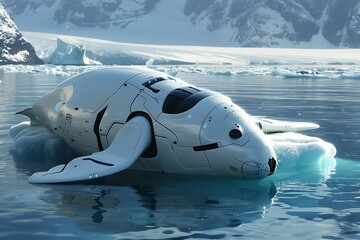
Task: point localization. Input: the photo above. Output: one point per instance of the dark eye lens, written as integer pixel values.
(235, 134)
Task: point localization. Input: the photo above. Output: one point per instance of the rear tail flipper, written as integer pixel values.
(30, 113)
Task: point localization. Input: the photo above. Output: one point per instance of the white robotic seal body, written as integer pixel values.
(132, 117)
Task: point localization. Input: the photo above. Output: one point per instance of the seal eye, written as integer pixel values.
(235, 134)
(58, 106)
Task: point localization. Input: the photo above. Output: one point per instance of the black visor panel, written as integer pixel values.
(183, 99)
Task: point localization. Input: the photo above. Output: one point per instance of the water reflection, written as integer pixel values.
(183, 202)
(139, 201)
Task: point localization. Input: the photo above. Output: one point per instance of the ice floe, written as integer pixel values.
(350, 75)
(298, 152)
(299, 73)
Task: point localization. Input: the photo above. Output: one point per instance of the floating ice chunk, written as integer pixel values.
(38, 143)
(16, 129)
(173, 71)
(350, 75)
(223, 73)
(70, 54)
(298, 73)
(10, 68)
(149, 62)
(236, 72)
(298, 152)
(56, 70)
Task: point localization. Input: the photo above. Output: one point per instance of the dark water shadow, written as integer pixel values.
(139, 201)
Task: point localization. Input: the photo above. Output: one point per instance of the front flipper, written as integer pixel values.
(276, 126)
(130, 142)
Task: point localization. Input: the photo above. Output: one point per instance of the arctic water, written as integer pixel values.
(311, 196)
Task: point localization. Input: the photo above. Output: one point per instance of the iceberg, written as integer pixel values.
(70, 54)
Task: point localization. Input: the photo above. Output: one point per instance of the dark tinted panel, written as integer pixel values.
(151, 82)
(183, 99)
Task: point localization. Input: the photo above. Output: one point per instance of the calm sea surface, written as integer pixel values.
(150, 206)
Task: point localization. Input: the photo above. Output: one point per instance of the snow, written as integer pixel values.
(13, 48)
(20, 56)
(268, 21)
(7, 27)
(8, 31)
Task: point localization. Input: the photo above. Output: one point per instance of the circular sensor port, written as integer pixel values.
(235, 134)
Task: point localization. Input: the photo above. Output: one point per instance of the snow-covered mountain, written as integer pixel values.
(13, 48)
(250, 23)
